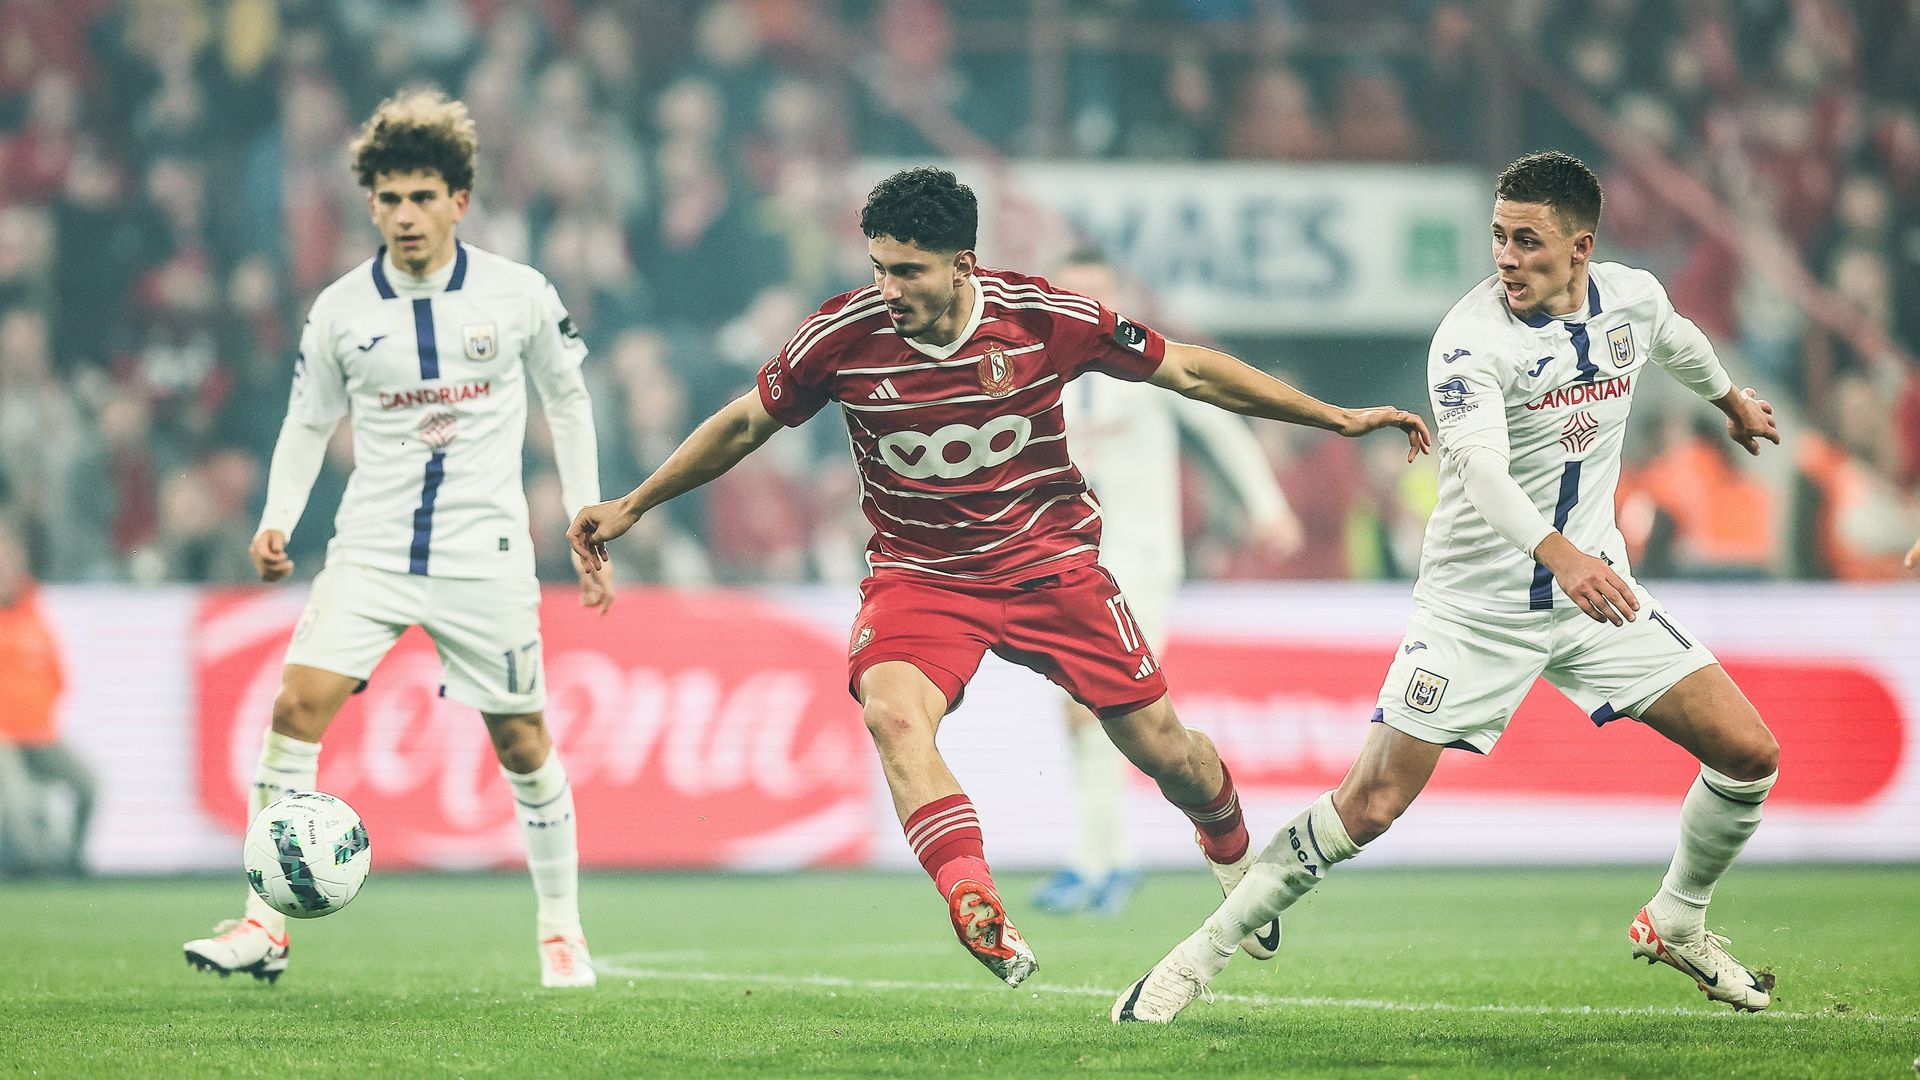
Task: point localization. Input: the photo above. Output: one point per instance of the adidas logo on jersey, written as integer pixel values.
(884, 392)
(1147, 667)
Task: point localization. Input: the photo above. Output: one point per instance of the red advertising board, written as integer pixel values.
(698, 729)
(1288, 714)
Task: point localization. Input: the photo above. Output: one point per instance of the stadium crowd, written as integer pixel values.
(173, 192)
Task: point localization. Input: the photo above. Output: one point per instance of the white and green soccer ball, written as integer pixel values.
(307, 854)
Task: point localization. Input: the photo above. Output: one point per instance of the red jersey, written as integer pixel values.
(962, 448)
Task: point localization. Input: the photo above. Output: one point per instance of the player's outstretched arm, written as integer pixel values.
(1220, 380)
(1913, 556)
(718, 444)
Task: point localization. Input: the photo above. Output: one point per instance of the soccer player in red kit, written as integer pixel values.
(986, 537)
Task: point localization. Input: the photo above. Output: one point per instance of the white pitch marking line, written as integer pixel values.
(839, 982)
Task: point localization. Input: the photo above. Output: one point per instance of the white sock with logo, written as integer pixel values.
(543, 801)
(1716, 819)
(1300, 855)
(286, 764)
(1099, 773)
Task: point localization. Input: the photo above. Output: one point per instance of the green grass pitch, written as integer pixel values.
(1384, 973)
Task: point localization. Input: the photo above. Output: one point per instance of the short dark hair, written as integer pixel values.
(926, 207)
(1559, 180)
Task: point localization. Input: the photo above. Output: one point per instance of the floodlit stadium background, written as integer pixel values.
(1306, 183)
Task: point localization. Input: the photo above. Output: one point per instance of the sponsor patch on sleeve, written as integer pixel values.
(1130, 334)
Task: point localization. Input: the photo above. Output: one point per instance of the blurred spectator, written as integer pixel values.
(33, 763)
(1276, 119)
(1703, 514)
(1850, 521)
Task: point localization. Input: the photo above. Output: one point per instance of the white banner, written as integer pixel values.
(1248, 248)
(728, 710)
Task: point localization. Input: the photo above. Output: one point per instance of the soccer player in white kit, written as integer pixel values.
(1126, 440)
(1525, 573)
(428, 347)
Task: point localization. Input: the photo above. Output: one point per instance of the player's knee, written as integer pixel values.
(891, 724)
(520, 742)
(1368, 814)
(300, 714)
(1758, 758)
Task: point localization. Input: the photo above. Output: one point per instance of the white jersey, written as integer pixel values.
(1553, 394)
(433, 373)
(1125, 438)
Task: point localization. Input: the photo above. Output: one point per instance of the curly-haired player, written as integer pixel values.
(428, 347)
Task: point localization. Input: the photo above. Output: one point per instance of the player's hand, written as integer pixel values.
(269, 554)
(1358, 422)
(596, 525)
(596, 586)
(1913, 556)
(1589, 582)
(1752, 420)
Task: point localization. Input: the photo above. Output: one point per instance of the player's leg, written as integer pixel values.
(543, 804)
(1655, 670)
(902, 707)
(1451, 685)
(487, 632)
(353, 616)
(913, 648)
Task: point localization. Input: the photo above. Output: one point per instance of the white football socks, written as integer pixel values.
(544, 804)
(1099, 774)
(1300, 855)
(1716, 819)
(286, 764)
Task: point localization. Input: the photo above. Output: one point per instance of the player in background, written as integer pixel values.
(1525, 573)
(1126, 441)
(949, 376)
(428, 347)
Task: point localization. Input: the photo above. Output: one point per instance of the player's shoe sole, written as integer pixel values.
(1264, 942)
(980, 921)
(240, 946)
(1707, 962)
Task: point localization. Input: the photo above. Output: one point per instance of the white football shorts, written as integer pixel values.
(1456, 679)
(487, 631)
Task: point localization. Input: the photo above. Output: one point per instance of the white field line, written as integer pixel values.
(613, 967)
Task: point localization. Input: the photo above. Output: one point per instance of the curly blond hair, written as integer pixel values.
(417, 131)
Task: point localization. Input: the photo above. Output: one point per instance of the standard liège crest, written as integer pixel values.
(1620, 346)
(996, 372)
(861, 638)
(483, 341)
(1424, 690)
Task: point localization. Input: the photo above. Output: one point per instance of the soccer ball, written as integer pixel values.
(307, 854)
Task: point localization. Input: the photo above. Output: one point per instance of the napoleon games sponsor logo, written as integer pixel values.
(436, 395)
(1583, 394)
(1453, 393)
(957, 450)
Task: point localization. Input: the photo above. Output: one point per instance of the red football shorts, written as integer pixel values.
(1073, 627)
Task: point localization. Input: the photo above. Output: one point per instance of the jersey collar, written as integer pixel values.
(454, 281)
(1543, 319)
(943, 352)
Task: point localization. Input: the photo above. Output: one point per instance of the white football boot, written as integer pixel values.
(564, 962)
(241, 945)
(1706, 961)
(1264, 942)
(1174, 982)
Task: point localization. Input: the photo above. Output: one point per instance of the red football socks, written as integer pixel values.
(1223, 831)
(945, 837)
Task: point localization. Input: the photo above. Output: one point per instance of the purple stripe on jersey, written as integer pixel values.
(423, 516)
(423, 330)
(380, 281)
(459, 277)
(1540, 598)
